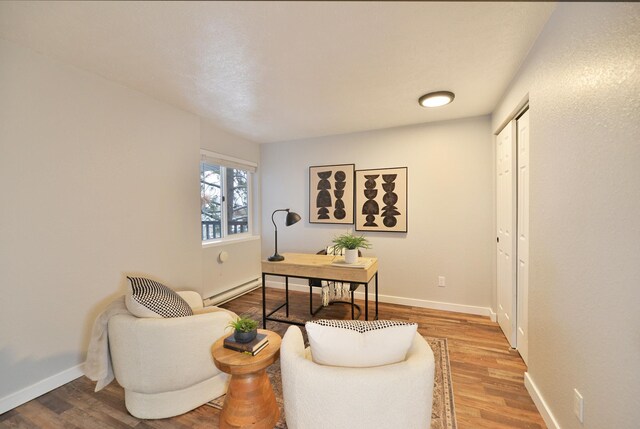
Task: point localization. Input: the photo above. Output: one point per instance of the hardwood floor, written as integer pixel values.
(487, 377)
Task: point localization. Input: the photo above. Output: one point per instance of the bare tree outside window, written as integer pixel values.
(224, 200)
(211, 201)
(237, 201)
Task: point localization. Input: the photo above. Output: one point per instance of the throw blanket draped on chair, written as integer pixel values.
(332, 291)
(98, 366)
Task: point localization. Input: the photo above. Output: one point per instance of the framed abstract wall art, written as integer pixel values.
(331, 193)
(381, 200)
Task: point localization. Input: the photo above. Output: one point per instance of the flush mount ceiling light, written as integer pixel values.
(436, 99)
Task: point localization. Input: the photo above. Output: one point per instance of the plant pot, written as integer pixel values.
(245, 337)
(351, 256)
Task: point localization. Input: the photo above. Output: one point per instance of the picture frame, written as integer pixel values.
(331, 193)
(381, 199)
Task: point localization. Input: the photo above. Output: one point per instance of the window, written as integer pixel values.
(225, 196)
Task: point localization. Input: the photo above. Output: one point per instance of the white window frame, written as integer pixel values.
(225, 161)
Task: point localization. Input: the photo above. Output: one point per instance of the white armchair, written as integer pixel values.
(390, 396)
(165, 365)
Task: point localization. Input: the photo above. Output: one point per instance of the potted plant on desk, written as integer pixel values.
(245, 329)
(349, 245)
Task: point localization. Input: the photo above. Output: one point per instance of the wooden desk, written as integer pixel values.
(250, 400)
(310, 266)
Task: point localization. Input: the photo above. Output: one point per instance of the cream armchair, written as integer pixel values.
(165, 365)
(390, 396)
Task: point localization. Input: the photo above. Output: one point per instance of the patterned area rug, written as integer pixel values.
(443, 412)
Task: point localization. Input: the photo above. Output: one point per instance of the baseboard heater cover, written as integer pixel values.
(232, 293)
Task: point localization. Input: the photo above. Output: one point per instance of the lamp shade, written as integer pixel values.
(292, 217)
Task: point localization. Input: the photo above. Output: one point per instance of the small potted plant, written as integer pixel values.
(245, 329)
(349, 245)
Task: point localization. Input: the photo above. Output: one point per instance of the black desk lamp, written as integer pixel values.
(292, 218)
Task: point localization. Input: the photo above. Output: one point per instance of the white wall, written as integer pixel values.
(583, 81)
(450, 212)
(243, 263)
(97, 181)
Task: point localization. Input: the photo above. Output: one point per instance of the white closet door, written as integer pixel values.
(523, 237)
(506, 227)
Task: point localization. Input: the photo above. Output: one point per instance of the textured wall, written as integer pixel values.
(243, 264)
(450, 205)
(583, 80)
(96, 181)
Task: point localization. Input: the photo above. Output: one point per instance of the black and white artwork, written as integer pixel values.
(381, 199)
(331, 193)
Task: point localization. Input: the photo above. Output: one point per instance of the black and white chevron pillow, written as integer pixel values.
(360, 325)
(357, 343)
(148, 298)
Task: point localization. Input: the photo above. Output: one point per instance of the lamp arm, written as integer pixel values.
(275, 256)
(291, 219)
(273, 220)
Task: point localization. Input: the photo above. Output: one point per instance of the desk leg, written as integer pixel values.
(353, 305)
(286, 291)
(264, 302)
(376, 296)
(366, 301)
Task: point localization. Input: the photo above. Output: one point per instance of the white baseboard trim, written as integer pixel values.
(390, 299)
(13, 400)
(542, 406)
(434, 305)
(493, 315)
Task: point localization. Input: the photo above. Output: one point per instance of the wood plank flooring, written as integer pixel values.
(488, 381)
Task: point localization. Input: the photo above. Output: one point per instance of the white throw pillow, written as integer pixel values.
(356, 343)
(148, 298)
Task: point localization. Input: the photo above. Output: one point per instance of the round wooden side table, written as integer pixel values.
(250, 400)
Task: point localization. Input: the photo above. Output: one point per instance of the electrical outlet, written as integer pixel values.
(578, 405)
(441, 281)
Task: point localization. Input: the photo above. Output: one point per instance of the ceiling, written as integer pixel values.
(275, 71)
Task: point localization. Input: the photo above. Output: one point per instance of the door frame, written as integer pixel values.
(522, 232)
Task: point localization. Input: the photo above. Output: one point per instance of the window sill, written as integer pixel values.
(226, 241)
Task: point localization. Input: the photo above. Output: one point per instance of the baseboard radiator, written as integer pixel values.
(235, 292)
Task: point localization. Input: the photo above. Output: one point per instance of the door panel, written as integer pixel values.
(506, 226)
(523, 237)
